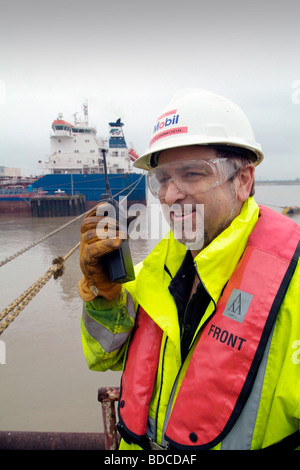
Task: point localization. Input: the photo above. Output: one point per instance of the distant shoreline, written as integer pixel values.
(277, 182)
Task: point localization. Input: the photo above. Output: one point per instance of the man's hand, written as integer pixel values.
(95, 280)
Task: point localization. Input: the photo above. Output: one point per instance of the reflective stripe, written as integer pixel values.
(151, 428)
(241, 435)
(108, 341)
(130, 306)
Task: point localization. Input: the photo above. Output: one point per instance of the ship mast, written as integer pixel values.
(85, 112)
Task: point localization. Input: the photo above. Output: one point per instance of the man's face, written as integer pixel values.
(196, 227)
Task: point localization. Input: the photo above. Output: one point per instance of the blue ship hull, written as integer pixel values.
(131, 185)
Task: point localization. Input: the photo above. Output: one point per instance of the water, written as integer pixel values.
(45, 384)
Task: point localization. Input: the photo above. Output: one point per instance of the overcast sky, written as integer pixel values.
(128, 58)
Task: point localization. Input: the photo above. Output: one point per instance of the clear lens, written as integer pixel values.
(190, 176)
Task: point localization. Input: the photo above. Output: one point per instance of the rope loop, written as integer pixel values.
(60, 267)
(8, 315)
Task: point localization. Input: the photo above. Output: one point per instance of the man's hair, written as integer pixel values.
(240, 161)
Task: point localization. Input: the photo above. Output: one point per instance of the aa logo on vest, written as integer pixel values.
(237, 305)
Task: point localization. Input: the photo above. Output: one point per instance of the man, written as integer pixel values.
(208, 334)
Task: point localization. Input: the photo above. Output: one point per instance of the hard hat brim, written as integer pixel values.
(145, 163)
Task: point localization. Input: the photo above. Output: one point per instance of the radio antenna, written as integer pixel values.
(108, 190)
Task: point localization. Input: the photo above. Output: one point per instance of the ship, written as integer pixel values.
(76, 166)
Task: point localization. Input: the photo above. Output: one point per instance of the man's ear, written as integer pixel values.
(244, 182)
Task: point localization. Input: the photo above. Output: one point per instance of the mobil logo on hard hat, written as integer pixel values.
(199, 117)
(166, 125)
(166, 119)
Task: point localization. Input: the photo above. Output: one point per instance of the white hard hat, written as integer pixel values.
(198, 117)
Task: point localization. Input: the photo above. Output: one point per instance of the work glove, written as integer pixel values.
(95, 280)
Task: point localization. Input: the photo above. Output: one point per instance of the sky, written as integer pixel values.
(128, 58)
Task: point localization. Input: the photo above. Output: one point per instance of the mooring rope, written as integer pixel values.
(40, 240)
(9, 314)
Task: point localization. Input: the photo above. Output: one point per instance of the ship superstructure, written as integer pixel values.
(76, 148)
(75, 168)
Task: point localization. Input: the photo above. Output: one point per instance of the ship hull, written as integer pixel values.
(92, 186)
(14, 205)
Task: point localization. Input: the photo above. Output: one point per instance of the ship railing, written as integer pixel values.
(21, 190)
(34, 192)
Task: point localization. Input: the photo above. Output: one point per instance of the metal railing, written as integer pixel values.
(108, 440)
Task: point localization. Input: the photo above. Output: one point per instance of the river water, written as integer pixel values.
(45, 384)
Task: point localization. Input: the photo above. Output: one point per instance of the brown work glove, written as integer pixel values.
(95, 280)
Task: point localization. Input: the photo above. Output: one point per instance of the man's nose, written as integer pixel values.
(173, 193)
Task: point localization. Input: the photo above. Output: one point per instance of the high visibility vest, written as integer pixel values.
(227, 350)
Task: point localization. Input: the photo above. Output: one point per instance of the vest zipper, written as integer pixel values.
(168, 411)
(160, 390)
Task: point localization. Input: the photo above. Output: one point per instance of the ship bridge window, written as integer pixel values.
(60, 127)
(81, 130)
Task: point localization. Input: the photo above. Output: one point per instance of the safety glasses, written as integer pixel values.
(190, 176)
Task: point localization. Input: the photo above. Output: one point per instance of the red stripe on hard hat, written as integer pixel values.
(177, 130)
(174, 111)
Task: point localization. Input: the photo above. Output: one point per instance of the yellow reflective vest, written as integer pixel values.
(272, 412)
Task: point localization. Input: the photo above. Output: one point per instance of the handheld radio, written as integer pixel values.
(118, 262)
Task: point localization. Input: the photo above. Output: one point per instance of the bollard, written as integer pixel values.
(107, 397)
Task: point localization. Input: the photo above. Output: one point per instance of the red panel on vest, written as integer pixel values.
(142, 360)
